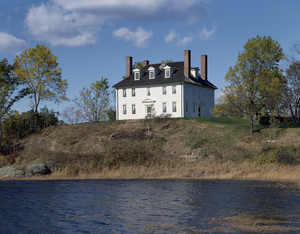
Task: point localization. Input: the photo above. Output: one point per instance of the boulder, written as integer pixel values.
(37, 169)
(11, 172)
(51, 166)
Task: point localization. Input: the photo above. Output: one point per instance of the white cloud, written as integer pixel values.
(154, 10)
(207, 34)
(139, 38)
(185, 40)
(62, 28)
(77, 22)
(11, 44)
(179, 41)
(170, 37)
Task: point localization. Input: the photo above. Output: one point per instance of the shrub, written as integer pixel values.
(288, 155)
(269, 158)
(19, 125)
(282, 155)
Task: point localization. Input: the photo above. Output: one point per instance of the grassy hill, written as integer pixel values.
(164, 148)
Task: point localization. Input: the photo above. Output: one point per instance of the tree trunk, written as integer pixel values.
(1, 136)
(292, 113)
(251, 125)
(251, 116)
(36, 118)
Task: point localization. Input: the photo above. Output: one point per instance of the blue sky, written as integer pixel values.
(92, 38)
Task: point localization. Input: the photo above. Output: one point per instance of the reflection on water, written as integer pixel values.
(148, 206)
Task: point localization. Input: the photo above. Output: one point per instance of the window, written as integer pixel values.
(133, 92)
(148, 91)
(167, 73)
(151, 74)
(194, 91)
(164, 107)
(174, 89)
(124, 92)
(174, 109)
(133, 109)
(136, 75)
(124, 110)
(164, 90)
(186, 106)
(194, 107)
(148, 110)
(199, 111)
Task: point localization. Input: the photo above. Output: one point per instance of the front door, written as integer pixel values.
(148, 111)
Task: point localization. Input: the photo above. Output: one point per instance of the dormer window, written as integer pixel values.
(151, 72)
(194, 72)
(167, 71)
(136, 73)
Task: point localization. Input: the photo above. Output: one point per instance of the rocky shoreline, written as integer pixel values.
(39, 169)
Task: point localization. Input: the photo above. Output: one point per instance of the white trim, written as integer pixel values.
(148, 100)
(167, 70)
(136, 74)
(151, 71)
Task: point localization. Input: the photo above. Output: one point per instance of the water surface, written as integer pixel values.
(141, 206)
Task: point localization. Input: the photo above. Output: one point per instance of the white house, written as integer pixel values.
(172, 89)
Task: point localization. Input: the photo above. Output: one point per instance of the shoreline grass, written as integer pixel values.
(203, 171)
(152, 148)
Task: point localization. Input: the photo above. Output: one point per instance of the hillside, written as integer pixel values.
(163, 148)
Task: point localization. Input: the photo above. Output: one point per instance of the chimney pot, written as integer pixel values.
(204, 67)
(187, 62)
(128, 66)
(145, 63)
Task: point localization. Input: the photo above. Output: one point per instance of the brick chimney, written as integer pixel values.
(187, 62)
(204, 67)
(145, 63)
(128, 66)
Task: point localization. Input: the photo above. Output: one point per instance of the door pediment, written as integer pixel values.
(148, 100)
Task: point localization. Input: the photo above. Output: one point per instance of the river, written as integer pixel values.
(148, 206)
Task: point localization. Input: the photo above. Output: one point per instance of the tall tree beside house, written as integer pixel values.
(137, 65)
(38, 70)
(256, 82)
(93, 103)
(293, 90)
(9, 92)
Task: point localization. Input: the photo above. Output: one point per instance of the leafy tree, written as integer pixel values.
(38, 70)
(111, 113)
(48, 117)
(138, 65)
(167, 61)
(256, 83)
(18, 125)
(93, 103)
(293, 90)
(223, 109)
(8, 91)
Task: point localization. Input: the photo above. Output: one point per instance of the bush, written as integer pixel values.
(288, 155)
(17, 126)
(283, 155)
(269, 158)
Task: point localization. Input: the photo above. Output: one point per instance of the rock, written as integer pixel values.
(19, 173)
(11, 172)
(37, 169)
(51, 166)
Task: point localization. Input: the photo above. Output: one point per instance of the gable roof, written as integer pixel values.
(178, 76)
